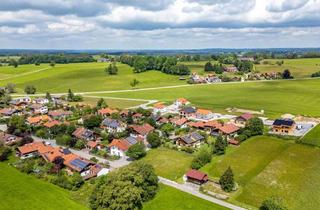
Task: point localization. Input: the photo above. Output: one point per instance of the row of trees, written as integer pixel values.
(56, 58)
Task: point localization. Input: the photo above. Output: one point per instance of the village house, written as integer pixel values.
(84, 134)
(59, 114)
(159, 108)
(243, 119)
(9, 139)
(113, 125)
(204, 114)
(181, 102)
(196, 177)
(211, 78)
(39, 109)
(196, 78)
(38, 119)
(40, 101)
(283, 126)
(137, 117)
(193, 139)
(52, 123)
(187, 112)
(179, 122)
(230, 69)
(20, 103)
(228, 130)
(107, 112)
(8, 112)
(119, 147)
(141, 131)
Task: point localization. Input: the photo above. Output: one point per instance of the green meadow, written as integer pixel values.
(20, 191)
(312, 137)
(169, 198)
(266, 166)
(84, 77)
(274, 97)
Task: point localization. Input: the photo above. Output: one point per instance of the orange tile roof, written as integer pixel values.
(143, 129)
(203, 111)
(213, 124)
(92, 144)
(50, 124)
(179, 121)
(33, 147)
(182, 100)
(120, 143)
(196, 124)
(38, 119)
(107, 111)
(159, 105)
(229, 128)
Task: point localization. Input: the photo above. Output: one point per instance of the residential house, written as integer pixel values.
(52, 123)
(196, 177)
(119, 147)
(41, 101)
(231, 69)
(59, 114)
(83, 133)
(211, 78)
(39, 109)
(229, 130)
(32, 149)
(9, 139)
(8, 112)
(187, 112)
(204, 114)
(242, 119)
(159, 108)
(107, 112)
(141, 130)
(137, 117)
(283, 126)
(113, 125)
(94, 145)
(38, 119)
(193, 139)
(179, 122)
(20, 103)
(181, 102)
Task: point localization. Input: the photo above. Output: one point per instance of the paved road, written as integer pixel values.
(196, 192)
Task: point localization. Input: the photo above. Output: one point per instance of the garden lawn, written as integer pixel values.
(299, 68)
(168, 163)
(84, 77)
(20, 191)
(274, 97)
(169, 198)
(312, 137)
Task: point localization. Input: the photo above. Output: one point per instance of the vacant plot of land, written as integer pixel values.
(312, 137)
(169, 163)
(83, 77)
(274, 97)
(248, 160)
(19, 191)
(298, 67)
(169, 198)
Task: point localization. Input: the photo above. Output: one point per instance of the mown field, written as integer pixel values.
(7, 72)
(169, 163)
(265, 166)
(274, 97)
(19, 191)
(169, 198)
(312, 137)
(83, 77)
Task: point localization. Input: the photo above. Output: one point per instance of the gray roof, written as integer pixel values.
(131, 140)
(188, 110)
(192, 137)
(111, 123)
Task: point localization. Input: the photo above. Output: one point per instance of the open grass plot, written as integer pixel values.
(19, 191)
(169, 163)
(169, 198)
(84, 77)
(8, 72)
(312, 137)
(274, 97)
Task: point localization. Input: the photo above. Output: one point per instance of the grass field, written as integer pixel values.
(19, 191)
(169, 198)
(274, 97)
(265, 166)
(299, 68)
(169, 163)
(312, 137)
(83, 77)
(7, 72)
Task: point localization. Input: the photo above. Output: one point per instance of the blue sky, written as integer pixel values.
(159, 24)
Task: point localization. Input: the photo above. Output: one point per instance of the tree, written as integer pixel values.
(48, 96)
(154, 139)
(317, 74)
(167, 128)
(119, 190)
(70, 95)
(202, 157)
(140, 64)
(220, 145)
(4, 153)
(208, 66)
(65, 140)
(112, 69)
(80, 144)
(52, 63)
(134, 83)
(129, 117)
(13, 63)
(101, 103)
(286, 74)
(30, 89)
(92, 121)
(273, 203)
(255, 126)
(226, 180)
(218, 68)
(136, 151)
(11, 88)
(17, 125)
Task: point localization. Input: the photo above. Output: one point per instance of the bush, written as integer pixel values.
(153, 139)
(137, 151)
(241, 137)
(30, 89)
(317, 74)
(80, 144)
(4, 153)
(203, 156)
(273, 203)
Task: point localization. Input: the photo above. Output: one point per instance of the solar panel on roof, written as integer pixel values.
(66, 151)
(131, 140)
(79, 163)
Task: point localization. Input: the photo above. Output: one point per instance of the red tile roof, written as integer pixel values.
(120, 143)
(92, 144)
(183, 100)
(198, 175)
(229, 128)
(50, 124)
(179, 121)
(107, 111)
(142, 129)
(198, 124)
(246, 116)
(38, 119)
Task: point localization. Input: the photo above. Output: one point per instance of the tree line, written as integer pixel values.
(56, 58)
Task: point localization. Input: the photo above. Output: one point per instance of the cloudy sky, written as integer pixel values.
(159, 24)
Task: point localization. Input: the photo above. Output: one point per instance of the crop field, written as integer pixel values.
(312, 137)
(169, 198)
(19, 191)
(274, 97)
(84, 77)
(169, 163)
(265, 166)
